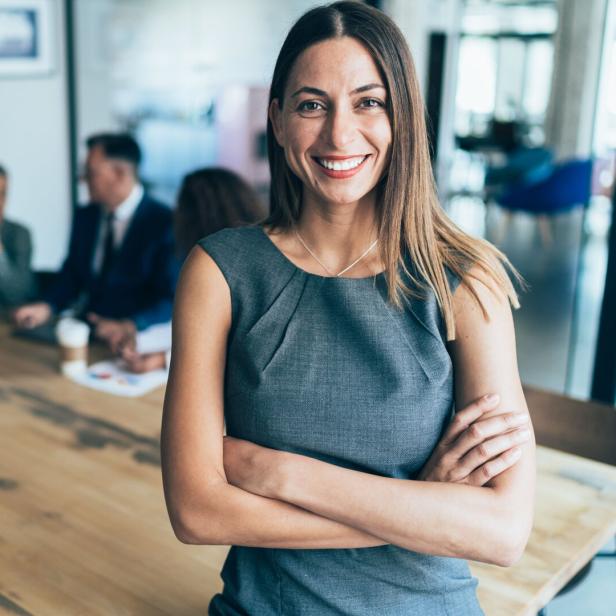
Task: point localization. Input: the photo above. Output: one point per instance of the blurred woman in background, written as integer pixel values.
(209, 200)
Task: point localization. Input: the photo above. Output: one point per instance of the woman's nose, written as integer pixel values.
(340, 128)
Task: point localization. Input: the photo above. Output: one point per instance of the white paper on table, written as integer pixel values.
(111, 377)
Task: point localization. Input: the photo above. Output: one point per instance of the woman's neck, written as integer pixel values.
(328, 237)
(338, 233)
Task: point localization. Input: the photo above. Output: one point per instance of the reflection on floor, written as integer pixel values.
(589, 297)
(594, 596)
(555, 351)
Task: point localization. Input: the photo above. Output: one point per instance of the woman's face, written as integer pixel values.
(333, 124)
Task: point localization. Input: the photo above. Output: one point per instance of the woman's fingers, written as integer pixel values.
(483, 429)
(488, 450)
(464, 418)
(494, 467)
(471, 444)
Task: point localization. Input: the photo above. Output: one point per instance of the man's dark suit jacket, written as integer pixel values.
(141, 281)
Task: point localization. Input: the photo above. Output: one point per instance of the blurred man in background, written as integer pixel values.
(121, 270)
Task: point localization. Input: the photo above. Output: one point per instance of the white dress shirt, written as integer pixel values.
(122, 217)
(155, 339)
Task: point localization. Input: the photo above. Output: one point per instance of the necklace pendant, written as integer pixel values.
(346, 269)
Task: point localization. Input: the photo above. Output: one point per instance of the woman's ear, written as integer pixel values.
(275, 116)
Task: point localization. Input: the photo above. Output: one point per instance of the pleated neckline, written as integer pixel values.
(281, 256)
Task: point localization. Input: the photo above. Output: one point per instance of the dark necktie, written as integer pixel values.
(108, 247)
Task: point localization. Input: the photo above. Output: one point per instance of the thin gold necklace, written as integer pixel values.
(346, 269)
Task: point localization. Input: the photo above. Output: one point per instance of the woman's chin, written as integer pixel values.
(341, 198)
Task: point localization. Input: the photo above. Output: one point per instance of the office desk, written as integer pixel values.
(84, 529)
(83, 524)
(573, 521)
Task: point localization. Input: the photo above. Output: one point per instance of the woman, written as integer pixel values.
(321, 341)
(209, 200)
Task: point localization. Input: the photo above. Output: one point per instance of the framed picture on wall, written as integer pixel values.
(26, 37)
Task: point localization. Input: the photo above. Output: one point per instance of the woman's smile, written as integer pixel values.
(341, 167)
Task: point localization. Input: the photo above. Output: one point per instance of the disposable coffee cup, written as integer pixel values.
(73, 336)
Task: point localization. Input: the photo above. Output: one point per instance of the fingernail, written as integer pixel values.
(522, 435)
(490, 398)
(519, 418)
(514, 454)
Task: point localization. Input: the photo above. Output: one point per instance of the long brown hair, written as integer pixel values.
(410, 218)
(212, 199)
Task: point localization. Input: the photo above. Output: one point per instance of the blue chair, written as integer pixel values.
(566, 188)
(524, 165)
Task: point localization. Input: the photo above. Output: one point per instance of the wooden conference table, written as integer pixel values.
(84, 530)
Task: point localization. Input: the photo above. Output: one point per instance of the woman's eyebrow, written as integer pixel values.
(369, 86)
(318, 92)
(309, 90)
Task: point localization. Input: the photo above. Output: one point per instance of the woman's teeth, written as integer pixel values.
(341, 165)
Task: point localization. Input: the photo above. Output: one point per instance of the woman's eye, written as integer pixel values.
(371, 103)
(308, 106)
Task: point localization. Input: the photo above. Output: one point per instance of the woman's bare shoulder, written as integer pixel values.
(479, 295)
(202, 292)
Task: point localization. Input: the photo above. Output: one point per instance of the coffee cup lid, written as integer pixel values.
(72, 332)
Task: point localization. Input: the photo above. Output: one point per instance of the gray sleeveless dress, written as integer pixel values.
(325, 367)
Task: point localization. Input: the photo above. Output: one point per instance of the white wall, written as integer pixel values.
(176, 54)
(34, 148)
(92, 75)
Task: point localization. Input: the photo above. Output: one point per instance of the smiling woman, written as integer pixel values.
(333, 342)
(338, 130)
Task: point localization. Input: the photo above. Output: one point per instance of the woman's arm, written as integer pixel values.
(490, 523)
(202, 506)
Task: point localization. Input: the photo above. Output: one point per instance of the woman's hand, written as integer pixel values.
(251, 467)
(474, 449)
